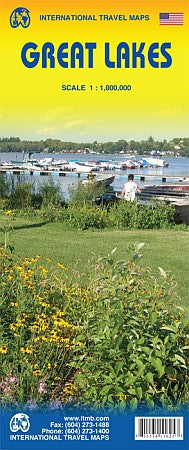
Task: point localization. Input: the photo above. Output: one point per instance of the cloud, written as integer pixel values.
(82, 134)
(167, 113)
(56, 114)
(48, 131)
(75, 124)
(78, 123)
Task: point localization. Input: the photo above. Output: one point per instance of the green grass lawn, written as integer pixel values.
(168, 249)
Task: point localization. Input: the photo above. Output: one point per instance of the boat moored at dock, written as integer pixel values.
(99, 179)
(154, 162)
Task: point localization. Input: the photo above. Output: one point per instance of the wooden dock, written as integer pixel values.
(64, 173)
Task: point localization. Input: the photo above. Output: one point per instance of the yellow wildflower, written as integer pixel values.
(35, 326)
(30, 272)
(62, 267)
(44, 304)
(13, 304)
(8, 212)
(28, 350)
(63, 323)
(69, 388)
(27, 262)
(58, 321)
(20, 323)
(66, 340)
(42, 316)
(3, 349)
(54, 339)
(53, 332)
(43, 270)
(171, 378)
(39, 297)
(25, 360)
(18, 267)
(37, 372)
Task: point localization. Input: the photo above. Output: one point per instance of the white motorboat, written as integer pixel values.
(156, 162)
(105, 165)
(31, 167)
(80, 167)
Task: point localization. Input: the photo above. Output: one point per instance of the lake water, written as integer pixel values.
(178, 167)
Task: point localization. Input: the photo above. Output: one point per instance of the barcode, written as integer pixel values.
(165, 428)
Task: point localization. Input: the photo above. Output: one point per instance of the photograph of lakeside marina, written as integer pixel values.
(155, 167)
(94, 289)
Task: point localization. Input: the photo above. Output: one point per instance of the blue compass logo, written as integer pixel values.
(20, 16)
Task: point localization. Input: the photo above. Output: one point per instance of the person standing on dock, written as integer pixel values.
(129, 189)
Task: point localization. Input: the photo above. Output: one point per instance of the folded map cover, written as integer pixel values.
(92, 71)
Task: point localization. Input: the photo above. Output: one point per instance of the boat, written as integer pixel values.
(182, 208)
(156, 162)
(184, 180)
(105, 165)
(80, 167)
(144, 163)
(125, 165)
(6, 165)
(94, 164)
(31, 167)
(177, 189)
(181, 205)
(99, 179)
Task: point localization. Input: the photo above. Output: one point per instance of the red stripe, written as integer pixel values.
(171, 23)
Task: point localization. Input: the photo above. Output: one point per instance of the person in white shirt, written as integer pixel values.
(129, 189)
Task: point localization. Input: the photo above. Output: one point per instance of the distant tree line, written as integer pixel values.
(177, 146)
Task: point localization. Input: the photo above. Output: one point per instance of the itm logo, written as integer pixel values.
(18, 422)
(20, 16)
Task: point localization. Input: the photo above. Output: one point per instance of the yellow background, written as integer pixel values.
(33, 106)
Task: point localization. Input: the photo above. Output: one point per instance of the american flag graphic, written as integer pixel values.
(171, 18)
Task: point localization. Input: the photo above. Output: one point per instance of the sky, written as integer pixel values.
(33, 104)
